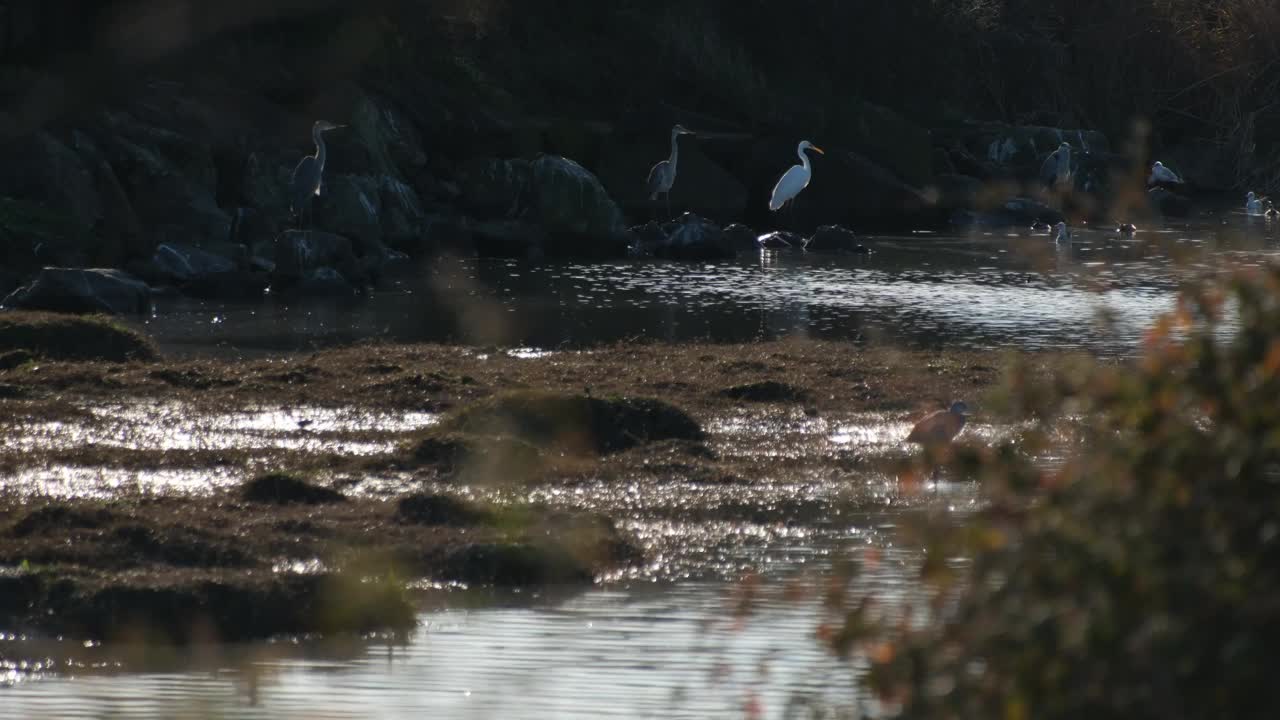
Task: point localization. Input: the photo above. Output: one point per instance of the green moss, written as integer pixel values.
(574, 424)
(72, 337)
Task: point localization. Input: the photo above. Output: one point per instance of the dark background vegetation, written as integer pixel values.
(1199, 72)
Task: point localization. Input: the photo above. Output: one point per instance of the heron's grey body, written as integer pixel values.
(663, 175)
(1056, 169)
(1062, 234)
(308, 176)
(1253, 204)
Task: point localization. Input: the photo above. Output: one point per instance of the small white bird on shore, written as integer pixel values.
(1062, 234)
(1253, 204)
(1162, 174)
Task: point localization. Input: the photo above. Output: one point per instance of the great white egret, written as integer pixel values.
(1162, 174)
(1056, 169)
(941, 427)
(795, 179)
(663, 175)
(1253, 204)
(308, 176)
(1062, 234)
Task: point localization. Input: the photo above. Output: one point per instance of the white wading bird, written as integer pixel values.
(795, 179)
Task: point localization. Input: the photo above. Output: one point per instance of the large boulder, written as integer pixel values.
(834, 239)
(1015, 212)
(694, 238)
(170, 177)
(351, 206)
(299, 253)
(118, 227)
(83, 291)
(553, 197)
(702, 186)
(33, 236)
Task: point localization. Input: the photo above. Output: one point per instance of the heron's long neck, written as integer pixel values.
(804, 159)
(675, 149)
(320, 149)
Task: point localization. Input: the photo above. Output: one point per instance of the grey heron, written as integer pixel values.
(1062, 234)
(308, 176)
(1162, 174)
(795, 179)
(1253, 204)
(1056, 170)
(663, 175)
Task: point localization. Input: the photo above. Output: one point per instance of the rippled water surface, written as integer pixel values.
(986, 289)
(669, 639)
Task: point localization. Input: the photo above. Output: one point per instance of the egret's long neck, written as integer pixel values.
(675, 149)
(321, 152)
(804, 159)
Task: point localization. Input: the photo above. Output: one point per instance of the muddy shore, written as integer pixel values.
(302, 534)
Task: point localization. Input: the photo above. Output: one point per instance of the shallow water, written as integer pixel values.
(979, 290)
(662, 640)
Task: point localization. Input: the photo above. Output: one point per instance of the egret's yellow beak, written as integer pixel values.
(819, 150)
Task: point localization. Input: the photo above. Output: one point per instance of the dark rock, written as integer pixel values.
(780, 240)
(14, 359)
(574, 423)
(768, 391)
(283, 489)
(42, 168)
(740, 237)
(646, 238)
(694, 238)
(1168, 203)
(477, 457)
(1017, 151)
(835, 239)
(251, 227)
(350, 206)
(70, 337)
(33, 236)
(298, 253)
(119, 227)
(424, 509)
(57, 518)
(514, 564)
(178, 264)
(82, 291)
(551, 195)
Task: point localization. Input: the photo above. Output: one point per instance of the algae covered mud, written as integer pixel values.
(380, 487)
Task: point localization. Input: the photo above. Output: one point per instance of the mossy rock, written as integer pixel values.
(428, 509)
(198, 607)
(285, 489)
(574, 424)
(515, 564)
(72, 337)
(59, 518)
(478, 458)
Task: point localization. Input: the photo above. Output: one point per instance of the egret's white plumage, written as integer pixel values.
(1056, 169)
(1162, 174)
(1062, 234)
(795, 179)
(1253, 204)
(663, 175)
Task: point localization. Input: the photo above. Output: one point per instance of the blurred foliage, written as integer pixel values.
(1138, 577)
